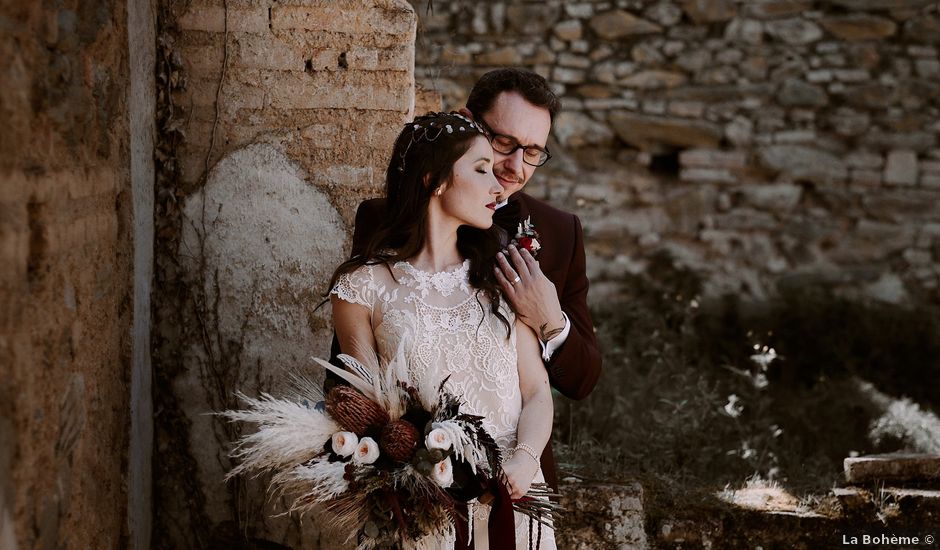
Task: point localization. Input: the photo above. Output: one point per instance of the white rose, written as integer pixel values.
(443, 473)
(345, 443)
(367, 451)
(438, 439)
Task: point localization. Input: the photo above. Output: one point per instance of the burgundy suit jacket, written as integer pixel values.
(575, 366)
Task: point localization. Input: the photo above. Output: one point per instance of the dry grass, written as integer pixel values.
(697, 397)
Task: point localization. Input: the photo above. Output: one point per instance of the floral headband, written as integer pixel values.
(432, 126)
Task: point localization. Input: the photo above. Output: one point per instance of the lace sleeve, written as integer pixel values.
(357, 287)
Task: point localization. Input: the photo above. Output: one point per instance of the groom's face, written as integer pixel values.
(512, 115)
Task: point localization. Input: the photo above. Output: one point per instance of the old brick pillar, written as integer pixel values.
(289, 111)
(73, 290)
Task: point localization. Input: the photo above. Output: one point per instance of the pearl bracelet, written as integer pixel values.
(527, 450)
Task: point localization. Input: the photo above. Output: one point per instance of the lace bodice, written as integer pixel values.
(444, 328)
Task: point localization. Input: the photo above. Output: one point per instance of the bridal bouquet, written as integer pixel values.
(390, 460)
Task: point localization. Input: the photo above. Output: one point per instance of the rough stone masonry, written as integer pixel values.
(764, 143)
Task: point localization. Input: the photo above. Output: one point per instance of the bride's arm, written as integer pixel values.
(353, 326)
(535, 422)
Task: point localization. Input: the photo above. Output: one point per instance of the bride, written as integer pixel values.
(427, 284)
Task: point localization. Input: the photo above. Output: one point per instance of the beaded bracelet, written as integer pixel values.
(527, 450)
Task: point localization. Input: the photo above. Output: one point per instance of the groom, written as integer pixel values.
(517, 108)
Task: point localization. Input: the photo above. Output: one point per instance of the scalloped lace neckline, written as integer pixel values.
(444, 282)
(455, 269)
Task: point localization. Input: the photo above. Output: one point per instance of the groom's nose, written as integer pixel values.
(514, 163)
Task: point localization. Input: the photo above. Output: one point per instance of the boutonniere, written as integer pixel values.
(527, 237)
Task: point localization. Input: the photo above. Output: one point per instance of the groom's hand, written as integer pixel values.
(531, 293)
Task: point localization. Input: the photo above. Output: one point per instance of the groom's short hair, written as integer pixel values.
(529, 85)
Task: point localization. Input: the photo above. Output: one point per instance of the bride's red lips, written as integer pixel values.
(491, 206)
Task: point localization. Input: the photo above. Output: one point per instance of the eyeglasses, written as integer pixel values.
(533, 155)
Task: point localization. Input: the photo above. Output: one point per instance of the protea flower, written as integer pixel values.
(354, 411)
(399, 439)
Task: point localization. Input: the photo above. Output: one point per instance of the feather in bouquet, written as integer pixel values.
(390, 460)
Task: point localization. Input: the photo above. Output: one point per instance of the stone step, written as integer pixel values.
(771, 499)
(924, 501)
(892, 467)
(602, 515)
(854, 500)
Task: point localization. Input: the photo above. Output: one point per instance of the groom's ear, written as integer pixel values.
(465, 112)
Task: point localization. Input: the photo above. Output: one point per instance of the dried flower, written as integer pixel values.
(367, 451)
(527, 237)
(443, 473)
(438, 439)
(399, 439)
(344, 443)
(354, 411)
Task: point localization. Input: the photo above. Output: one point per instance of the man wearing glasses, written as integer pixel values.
(516, 108)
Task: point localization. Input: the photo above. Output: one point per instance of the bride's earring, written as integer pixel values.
(439, 191)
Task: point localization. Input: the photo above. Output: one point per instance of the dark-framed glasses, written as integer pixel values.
(533, 155)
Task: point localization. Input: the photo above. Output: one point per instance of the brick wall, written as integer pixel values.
(304, 100)
(65, 275)
(764, 143)
(331, 75)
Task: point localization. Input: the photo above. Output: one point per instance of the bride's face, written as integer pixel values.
(470, 196)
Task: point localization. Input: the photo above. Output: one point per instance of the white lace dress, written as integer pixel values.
(445, 329)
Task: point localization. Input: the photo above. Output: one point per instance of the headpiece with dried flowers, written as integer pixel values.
(432, 126)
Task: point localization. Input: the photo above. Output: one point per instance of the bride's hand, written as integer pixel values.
(519, 471)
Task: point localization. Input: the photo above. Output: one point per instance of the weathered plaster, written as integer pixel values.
(270, 241)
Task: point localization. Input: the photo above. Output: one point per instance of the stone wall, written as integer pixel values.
(66, 301)
(277, 121)
(766, 143)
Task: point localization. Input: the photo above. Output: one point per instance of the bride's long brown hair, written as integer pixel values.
(418, 167)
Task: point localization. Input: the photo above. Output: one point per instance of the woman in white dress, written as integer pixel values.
(427, 285)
